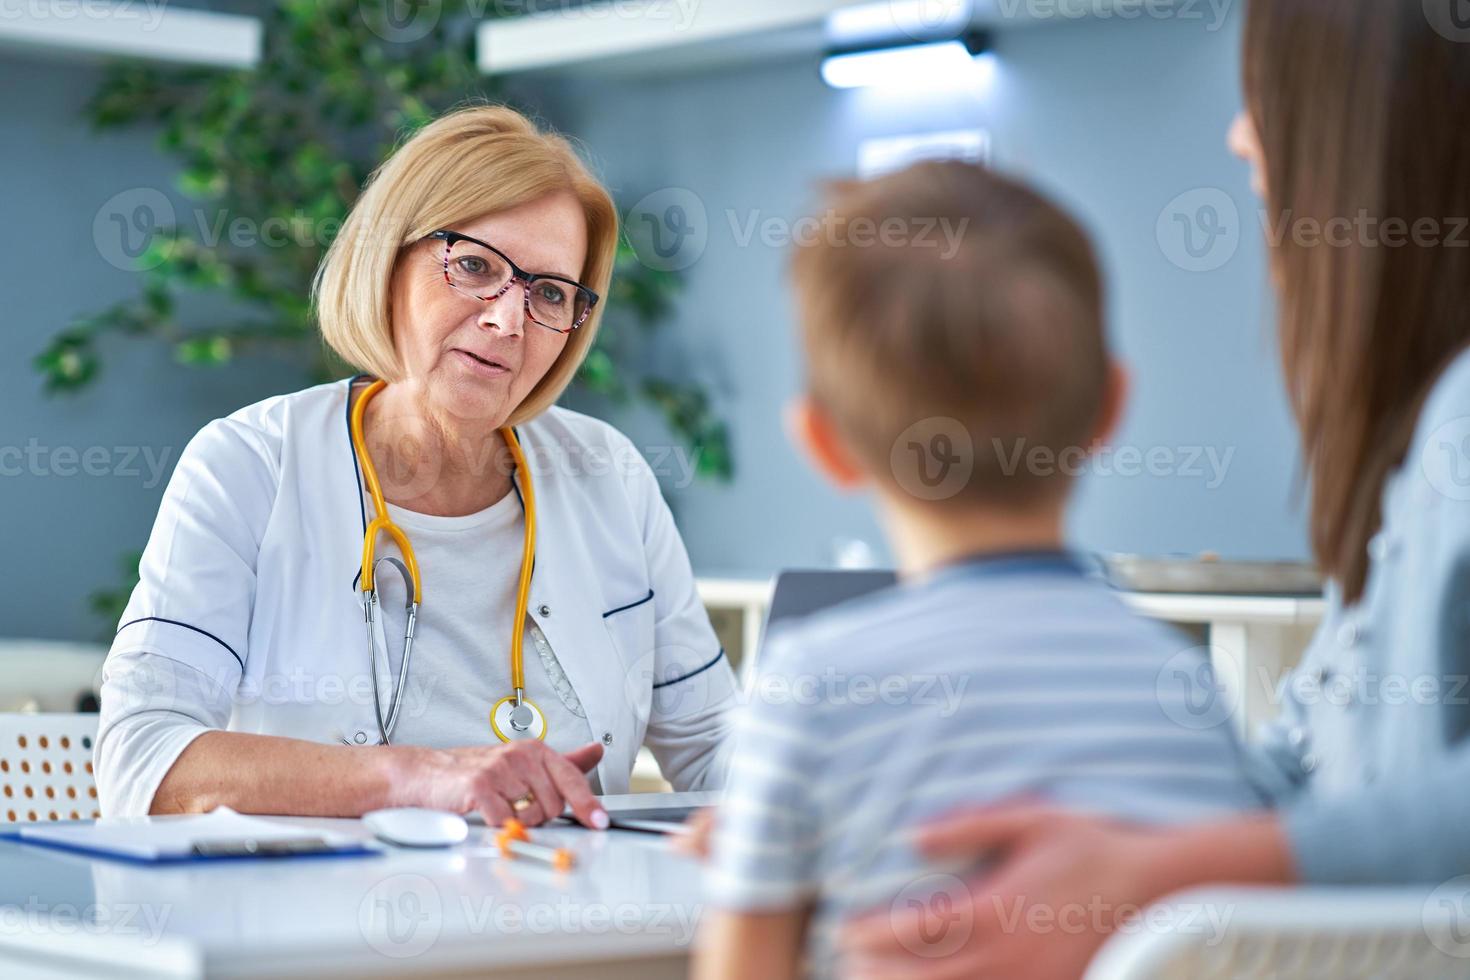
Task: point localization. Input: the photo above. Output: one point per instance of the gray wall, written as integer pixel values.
(1116, 118)
(66, 525)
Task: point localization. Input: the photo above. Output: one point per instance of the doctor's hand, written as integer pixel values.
(489, 779)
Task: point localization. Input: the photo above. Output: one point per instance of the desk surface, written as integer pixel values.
(630, 907)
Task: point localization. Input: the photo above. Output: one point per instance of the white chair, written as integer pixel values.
(1296, 934)
(46, 768)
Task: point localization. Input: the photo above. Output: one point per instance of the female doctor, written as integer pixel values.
(424, 585)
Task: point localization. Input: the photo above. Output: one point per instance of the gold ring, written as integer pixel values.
(523, 803)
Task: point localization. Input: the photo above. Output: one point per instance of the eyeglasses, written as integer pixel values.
(484, 272)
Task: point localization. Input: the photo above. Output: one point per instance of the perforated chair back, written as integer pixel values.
(1297, 934)
(46, 768)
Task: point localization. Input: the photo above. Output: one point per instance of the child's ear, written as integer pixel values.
(1114, 401)
(817, 438)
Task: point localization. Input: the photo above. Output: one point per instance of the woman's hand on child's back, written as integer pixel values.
(1059, 885)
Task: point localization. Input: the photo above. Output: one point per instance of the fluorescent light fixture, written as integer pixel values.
(937, 64)
(884, 154)
(918, 20)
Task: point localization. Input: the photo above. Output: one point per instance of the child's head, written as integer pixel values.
(953, 327)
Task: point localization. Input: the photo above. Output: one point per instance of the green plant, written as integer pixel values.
(108, 605)
(286, 146)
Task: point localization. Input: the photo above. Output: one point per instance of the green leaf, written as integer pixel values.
(68, 363)
(203, 181)
(159, 302)
(686, 409)
(312, 164)
(110, 604)
(599, 373)
(204, 351)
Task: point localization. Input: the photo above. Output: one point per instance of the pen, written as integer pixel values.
(513, 841)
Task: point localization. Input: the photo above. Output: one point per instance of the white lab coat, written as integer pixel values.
(248, 615)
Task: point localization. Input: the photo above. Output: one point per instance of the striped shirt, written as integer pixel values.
(995, 678)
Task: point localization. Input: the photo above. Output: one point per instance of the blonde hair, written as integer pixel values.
(470, 162)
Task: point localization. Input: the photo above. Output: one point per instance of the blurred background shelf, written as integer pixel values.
(652, 35)
(152, 32)
(649, 37)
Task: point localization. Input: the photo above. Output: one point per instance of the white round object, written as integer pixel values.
(513, 722)
(412, 826)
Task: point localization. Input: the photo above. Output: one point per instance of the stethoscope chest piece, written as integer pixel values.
(517, 720)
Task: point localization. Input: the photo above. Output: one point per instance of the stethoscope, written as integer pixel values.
(514, 717)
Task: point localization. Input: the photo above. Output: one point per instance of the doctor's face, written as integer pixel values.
(473, 361)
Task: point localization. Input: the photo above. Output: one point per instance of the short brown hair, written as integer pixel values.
(978, 303)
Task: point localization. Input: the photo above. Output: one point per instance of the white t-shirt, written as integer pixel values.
(470, 566)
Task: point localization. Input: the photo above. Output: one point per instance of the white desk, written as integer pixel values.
(1252, 640)
(628, 910)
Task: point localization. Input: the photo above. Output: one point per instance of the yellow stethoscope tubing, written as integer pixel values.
(528, 562)
(382, 523)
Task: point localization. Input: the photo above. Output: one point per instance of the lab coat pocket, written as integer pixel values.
(630, 627)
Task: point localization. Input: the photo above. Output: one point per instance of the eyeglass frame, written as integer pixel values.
(517, 274)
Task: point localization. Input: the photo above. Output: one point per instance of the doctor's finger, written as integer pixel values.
(514, 785)
(577, 793)
(549, 800)
(585, 757)
(493, 808)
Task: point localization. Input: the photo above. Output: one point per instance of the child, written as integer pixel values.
(963, 386)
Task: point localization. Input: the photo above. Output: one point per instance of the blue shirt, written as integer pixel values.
(1369, 760)
(991, 680)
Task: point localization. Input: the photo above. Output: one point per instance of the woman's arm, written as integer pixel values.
(264, 774)
(161, 748)
(1409, 828)
(270, 774)
(1061, 885)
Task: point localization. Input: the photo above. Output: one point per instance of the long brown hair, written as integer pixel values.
(1363, 112)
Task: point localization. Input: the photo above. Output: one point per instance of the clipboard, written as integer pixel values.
(221, 834)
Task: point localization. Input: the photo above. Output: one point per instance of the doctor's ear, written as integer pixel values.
(818, 439)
